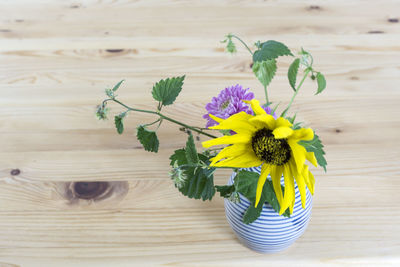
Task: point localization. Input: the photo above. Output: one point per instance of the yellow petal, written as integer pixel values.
(226, 140)
(307, 179)
(255, 106)
(298, 154)
(265, 169)
(238, 122)
(230, 151)
(276, 174)
(305, 134)
(312, 181)
(263, 121)
(246, 160)
(289, 194)
(292, 206)
(217, 119)
(301, 185)
(282, 122)
(282, 132)
(311, 158)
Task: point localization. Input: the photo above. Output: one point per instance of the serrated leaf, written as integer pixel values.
(267, 196)
(271, 50)
(265, 71)
(119, 124)
(166, 91)
(225, 190)
(246, 184)
(148, 139)
(179, 157)
(252, 213)
(191, 153)
(321, 82)
(115, 88)
(231, 47)
(199, 182)
(316, 146)
(292, 73)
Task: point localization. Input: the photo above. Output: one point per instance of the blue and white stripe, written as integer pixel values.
(270, 232)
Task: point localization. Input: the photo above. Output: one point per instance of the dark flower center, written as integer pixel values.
(270, 150)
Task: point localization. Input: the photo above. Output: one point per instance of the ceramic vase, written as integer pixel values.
(270, 232)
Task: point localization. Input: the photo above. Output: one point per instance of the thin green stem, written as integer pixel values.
(186, 126)
(204, 166)
(204, 129)
(240, 40)
(163, 117)
(296, 92)
(151, 123)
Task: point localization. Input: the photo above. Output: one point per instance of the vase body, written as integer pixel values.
(270, 232)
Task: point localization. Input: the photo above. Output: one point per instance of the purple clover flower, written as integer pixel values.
(229, 102)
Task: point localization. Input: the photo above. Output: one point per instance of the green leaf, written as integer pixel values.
(246, 184)
(265, 71)
(231, 47)
(297, 125)
(225, 190)
(303, 52)
(199, 182)
(225, 132)
(267, 196)
(148, 139)
(292, 73)
(252, 213)
(117, 85)
(119, 124)
(191, 153)
(166, 91)
(271, 50)
(291, 119)
(275, 108)
(316, 146)
(178, 158)
(321, 82)
(283, 114)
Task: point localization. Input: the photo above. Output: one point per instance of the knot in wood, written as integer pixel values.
(15, 172)
(90, 190)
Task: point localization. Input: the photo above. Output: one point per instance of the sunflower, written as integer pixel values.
(271, 143)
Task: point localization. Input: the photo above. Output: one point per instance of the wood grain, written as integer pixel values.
(58, 56)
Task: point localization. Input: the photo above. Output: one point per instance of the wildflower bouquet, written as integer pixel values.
(252, 135)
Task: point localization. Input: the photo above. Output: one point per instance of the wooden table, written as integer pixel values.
(58, 56)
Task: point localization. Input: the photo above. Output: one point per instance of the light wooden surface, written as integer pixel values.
(58, 56)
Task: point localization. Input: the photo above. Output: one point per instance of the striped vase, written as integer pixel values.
(270, 232)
